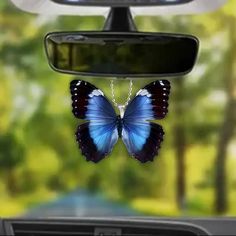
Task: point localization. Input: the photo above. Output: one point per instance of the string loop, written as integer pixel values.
(113, 95)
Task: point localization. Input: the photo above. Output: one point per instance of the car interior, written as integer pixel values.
(47, 187)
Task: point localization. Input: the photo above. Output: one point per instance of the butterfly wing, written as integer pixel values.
(89, 102)
(150, 103)
(96, 140)
(141, 137)
(96, 137)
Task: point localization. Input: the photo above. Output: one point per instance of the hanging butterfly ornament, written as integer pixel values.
(98, 135)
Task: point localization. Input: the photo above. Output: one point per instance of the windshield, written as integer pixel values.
(42, 170)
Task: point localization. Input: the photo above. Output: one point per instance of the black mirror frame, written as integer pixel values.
(107, 33)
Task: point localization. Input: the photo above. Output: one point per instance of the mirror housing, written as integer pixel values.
(121, 54)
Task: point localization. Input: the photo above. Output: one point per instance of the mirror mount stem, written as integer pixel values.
(120, 19)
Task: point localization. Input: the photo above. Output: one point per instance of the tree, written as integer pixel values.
(228, 125)
(180, 142)
(12, 153)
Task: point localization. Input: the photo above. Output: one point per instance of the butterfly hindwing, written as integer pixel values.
(141, 137)
(96, 137)
(96, 140)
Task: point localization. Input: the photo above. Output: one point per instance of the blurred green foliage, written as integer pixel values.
(39, 158)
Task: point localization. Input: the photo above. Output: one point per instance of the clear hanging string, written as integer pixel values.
(121, 107)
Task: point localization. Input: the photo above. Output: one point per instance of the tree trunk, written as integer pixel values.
(180, 145)
(181, 170)
(11, 184)
(228, 125)
(226, 133)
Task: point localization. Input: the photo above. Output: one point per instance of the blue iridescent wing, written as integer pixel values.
(150, 103)
(141, 137)
(89, 102)
(96, 140)
(96, 137)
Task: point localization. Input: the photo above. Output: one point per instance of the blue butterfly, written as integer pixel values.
(97, 137)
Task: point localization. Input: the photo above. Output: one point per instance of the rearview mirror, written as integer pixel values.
(120, 54)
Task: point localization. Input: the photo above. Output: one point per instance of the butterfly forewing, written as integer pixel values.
(80, 91)
(150, 103)
(88, 102)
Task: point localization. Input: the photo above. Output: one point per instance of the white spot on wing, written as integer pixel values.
(161, 83)
(96, 92)
(79, 82)
(144, 92)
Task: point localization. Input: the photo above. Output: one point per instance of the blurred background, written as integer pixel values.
(41, 169)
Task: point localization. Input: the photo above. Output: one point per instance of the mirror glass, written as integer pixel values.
(121, 55)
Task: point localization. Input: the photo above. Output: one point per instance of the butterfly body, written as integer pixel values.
(98, 135)
(119, 124)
